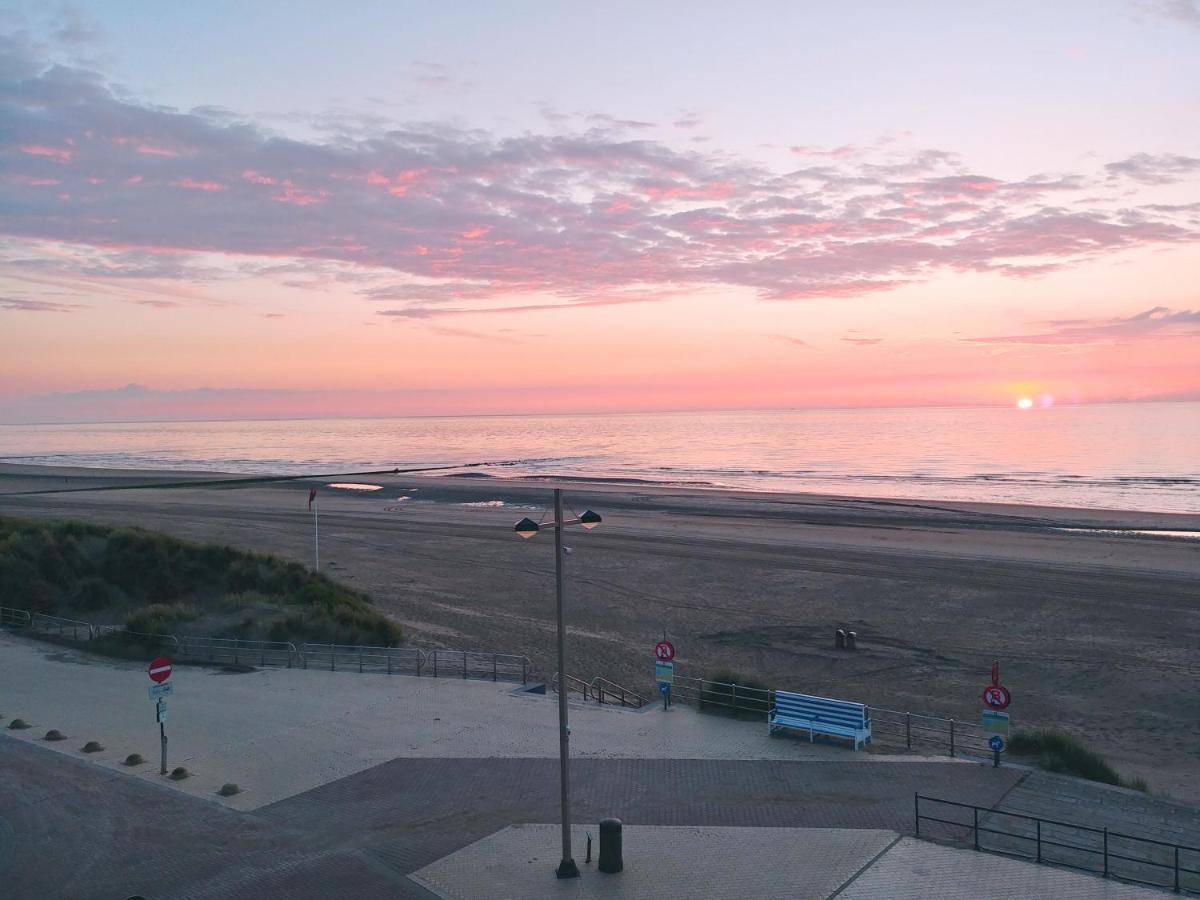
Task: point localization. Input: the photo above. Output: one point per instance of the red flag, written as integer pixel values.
(312, 495)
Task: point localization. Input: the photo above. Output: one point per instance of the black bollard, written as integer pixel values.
(610, 846)
(839, 639)
(851, 640)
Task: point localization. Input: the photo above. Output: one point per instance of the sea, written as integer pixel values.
(1131, 456)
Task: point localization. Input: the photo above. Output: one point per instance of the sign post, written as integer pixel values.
(664, 668)
(996, 699)
(159, 671)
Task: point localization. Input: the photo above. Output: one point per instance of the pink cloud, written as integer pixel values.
(573, 216)
(192, 184)
(58, 154)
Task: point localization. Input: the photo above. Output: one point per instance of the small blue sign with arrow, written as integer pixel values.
(996, 742)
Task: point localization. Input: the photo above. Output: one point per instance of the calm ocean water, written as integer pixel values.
(1143, 456)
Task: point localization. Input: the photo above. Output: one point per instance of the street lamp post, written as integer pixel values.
(527, 528)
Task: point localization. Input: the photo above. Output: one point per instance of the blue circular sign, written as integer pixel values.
(996, 742)
(663, 687)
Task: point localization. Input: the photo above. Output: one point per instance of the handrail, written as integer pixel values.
(580, 685)
(599, 684)
(1175, 869)
(19, 618)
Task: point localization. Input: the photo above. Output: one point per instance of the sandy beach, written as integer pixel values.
(1094, 630)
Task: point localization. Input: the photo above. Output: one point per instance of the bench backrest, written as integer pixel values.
(845, 713)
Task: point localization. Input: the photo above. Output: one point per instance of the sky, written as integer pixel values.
(232, 210)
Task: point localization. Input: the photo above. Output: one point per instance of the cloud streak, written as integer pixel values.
(463, 218)
(1157, 322)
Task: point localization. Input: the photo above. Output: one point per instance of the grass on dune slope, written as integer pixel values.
(151, 582)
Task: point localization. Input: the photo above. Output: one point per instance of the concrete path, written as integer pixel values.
(661, 862)
(759, 863)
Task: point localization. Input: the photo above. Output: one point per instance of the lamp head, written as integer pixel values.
(589, 519)
(527, 528)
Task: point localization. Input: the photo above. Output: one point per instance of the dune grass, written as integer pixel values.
(153, 583)
(1058, 751)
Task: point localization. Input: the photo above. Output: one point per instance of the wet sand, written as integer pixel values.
(1098, 632)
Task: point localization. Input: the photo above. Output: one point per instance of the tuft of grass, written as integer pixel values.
(18, 724)
(179, 773)
(722, 692)
(134, 759)
(228, 790)
(92, 747)
(54, 735)
(1058, 751)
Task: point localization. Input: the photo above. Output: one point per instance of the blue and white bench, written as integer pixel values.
(820, 715)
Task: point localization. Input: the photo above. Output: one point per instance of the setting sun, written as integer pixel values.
(1025, 403)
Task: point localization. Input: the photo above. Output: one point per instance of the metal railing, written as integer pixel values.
(602, 687)
(14, 618)
(1100, 851)
(573, 684)
(239, 652)
(474, 664)
(60, 626)
(477, 665)
(737, 698)
(953, 736)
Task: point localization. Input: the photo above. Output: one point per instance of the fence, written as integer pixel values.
(951, 736)
(237, 651)
(737, 698)
(1097, 850)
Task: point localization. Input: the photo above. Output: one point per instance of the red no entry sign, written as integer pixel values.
(664, 651)
(996, 696)
(160, 669)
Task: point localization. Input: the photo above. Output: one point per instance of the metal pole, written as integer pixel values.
(976, 811)
(1105, 852)
(952, 737)
(316, 538)
(917, 813)
(162, 734)
(566, 868)
(908, 730)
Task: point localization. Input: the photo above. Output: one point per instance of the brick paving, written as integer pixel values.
(76, 830)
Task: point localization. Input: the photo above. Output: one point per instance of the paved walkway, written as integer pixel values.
(357, 782)
(279, 732)
(759, 863)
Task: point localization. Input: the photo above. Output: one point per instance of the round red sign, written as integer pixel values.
(160, 669)
(996, 696)
(664, 651)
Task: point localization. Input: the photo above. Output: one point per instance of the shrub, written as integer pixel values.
(18, 724)
(92, 747)
(93, 593)
(1058, 751)
(54, 735)
(134, 759)
(159, 618)
(228, 790)
(179, 773)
